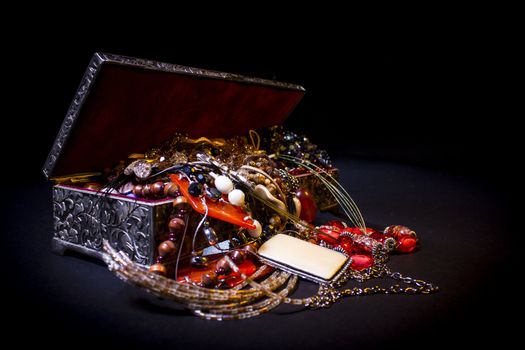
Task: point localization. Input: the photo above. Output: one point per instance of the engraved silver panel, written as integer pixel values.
(82, 220)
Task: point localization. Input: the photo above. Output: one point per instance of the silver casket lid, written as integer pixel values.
(126, 105)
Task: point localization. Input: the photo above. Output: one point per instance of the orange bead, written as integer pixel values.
(159, 269)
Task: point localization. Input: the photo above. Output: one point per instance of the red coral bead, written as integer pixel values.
(328, 234)
(360, 262)
(407, 244)
(308, 206)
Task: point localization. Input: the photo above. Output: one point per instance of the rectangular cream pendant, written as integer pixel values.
(303, 258)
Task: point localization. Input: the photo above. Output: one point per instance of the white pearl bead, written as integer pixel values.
(223, 184)
(236, 197)
(256, 232)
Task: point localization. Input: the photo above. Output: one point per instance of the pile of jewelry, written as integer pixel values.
(242, 230)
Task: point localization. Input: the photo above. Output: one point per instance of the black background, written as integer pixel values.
(429, 99)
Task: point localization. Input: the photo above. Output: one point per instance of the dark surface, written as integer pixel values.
(427, 141)
(464, 249)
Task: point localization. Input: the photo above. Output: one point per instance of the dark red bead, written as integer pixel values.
(308, 206)
(397, 231)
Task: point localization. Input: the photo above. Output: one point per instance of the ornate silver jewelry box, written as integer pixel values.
(125, 105)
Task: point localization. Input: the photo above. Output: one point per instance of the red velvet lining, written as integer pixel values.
(131, 109)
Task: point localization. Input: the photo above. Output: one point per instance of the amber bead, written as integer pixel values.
(237, 256)
(222, 267)
(137, 190)
(159, 269)
(176, 224)
(180, 202)
(157, 189)
(167, 248)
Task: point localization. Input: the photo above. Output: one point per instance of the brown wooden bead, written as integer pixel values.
(167, 248)
(176, 224)
(222, 267)
(137, 190)
(146, 191)
(209, 279)
(237, 256)
(171, 189)
(180, 202)
(157, 189)
(159, 269)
